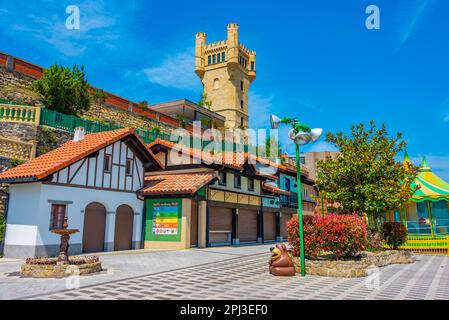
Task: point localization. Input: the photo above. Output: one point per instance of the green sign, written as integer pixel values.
(163, 220)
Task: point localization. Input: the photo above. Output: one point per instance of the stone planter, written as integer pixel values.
(328, 266)
(40, 268)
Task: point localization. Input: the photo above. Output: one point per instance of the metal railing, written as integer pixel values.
(426, 244)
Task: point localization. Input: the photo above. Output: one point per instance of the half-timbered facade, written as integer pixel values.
(93, 181)
(234, 211)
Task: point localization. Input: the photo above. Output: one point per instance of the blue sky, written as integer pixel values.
(315, 59)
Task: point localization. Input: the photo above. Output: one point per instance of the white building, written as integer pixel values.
(92, 180)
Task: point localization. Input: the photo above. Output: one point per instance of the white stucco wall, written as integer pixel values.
(30, 209)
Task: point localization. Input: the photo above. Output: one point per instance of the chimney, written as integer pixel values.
(79, 134)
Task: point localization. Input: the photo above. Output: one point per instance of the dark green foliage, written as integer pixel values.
(16, 162)
(64, 90)
(366, 177)
(394, 234)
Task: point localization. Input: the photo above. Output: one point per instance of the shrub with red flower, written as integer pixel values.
(342, 235)
(312, 239)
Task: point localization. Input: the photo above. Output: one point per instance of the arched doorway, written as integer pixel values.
(94, 228)
(123, 235)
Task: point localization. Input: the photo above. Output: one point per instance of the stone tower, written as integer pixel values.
(226, 69)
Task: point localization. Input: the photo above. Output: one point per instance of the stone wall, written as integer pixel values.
(25, 132)
(124, 118)
(355, 267)
(15, 86)
(50, 138)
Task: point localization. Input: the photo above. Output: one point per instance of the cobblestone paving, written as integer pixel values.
(248, 278)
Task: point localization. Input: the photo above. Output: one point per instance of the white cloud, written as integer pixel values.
(96, 28)
(412, 22)
(176, 71)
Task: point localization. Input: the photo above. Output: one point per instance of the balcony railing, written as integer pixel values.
(19, 113)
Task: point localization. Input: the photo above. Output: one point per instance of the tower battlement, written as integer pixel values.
(226, 69)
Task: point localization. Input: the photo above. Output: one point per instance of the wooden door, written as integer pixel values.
(94, 228)
(220, 224)
(247, 225)
(269, 226)
(123, 236)
(194, 224)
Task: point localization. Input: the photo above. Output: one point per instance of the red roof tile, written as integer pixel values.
(236, 160)
(274, 189)
(176, 183)
(67, 154)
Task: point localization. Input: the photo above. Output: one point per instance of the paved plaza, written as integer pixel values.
(228, 273)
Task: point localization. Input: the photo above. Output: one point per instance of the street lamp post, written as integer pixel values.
(301, 134)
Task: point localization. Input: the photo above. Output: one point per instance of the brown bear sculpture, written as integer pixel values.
(280, 263)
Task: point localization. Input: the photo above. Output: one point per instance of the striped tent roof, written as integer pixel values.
(432, 187)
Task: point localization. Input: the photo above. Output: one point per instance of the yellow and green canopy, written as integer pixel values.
(432, 187)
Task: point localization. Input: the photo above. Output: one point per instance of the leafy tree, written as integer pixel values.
(64, 90)
(204, 102)
(365, 177)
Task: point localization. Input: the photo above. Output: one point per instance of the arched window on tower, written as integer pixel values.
(216, 83)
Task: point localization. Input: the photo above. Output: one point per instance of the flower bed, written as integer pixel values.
(48, 267)
(356, 266)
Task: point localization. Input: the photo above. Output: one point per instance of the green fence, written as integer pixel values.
(3, 101)
(65, 122)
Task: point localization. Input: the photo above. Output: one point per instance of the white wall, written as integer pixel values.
(30, 209)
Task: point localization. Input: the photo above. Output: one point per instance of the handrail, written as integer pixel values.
(19, 113)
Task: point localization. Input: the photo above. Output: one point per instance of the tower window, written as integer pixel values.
(216, 83)
(252, 65)
(209, 60)
(218, 58)
(223, 57)
(241, 122)
(241, 104)
(241, 85)
(214, 58)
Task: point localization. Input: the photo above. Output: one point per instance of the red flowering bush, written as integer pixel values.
(342, 235)
(312, 240)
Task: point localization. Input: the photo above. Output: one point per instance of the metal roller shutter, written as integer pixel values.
(269, 226)
(247, 225)
(220, 225)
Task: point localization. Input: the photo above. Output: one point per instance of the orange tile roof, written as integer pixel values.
(236, 161)
(67, 154)
(274, 189)
(176, 183)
